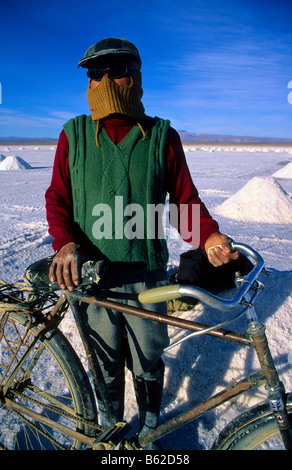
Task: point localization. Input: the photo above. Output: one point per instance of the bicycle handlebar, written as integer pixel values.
(162, 294)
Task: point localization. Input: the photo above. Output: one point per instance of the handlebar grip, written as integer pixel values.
(160, 294)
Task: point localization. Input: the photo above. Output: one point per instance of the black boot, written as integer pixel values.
(116, 391)
(149, 397)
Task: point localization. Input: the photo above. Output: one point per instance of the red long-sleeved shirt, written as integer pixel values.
(179, 185)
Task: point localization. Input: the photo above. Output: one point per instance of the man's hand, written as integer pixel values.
(218, 249)
(66, 266)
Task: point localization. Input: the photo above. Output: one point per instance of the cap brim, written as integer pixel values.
(94, 59)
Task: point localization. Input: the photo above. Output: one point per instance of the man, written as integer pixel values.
(118, 154)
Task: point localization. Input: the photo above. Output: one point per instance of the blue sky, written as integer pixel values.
(209, 66)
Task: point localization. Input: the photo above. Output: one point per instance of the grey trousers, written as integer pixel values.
(124, 340)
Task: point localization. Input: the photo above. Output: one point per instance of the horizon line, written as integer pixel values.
(187, 138)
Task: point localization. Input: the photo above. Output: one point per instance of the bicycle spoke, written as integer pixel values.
(33, 432)
(40, 410)
(274, 443)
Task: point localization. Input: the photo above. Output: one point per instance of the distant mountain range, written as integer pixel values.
(28, 141)
(191, 137)
(186, 137)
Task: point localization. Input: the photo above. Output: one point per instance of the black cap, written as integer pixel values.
(109, 46)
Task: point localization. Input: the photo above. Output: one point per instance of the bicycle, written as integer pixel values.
(47, 400)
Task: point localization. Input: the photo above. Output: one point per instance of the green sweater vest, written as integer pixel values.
(115, 190)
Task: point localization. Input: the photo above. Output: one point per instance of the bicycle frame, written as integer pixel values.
(255, 337)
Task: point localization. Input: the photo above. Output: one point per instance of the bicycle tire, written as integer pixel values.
(52, 383)
(255, 429)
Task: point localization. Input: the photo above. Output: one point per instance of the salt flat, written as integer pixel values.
(203, 365)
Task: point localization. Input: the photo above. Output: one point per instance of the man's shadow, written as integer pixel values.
(204, 360)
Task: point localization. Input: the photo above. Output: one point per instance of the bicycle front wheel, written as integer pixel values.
(256, 429)
(48, 394)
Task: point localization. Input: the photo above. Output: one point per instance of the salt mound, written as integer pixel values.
(260, 200)
(285, 172)
(14, 163)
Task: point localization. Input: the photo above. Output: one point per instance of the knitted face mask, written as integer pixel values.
(109, 98)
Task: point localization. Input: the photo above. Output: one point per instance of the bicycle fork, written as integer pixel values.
(274, 387)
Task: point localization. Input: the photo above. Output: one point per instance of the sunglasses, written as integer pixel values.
(116, 71)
